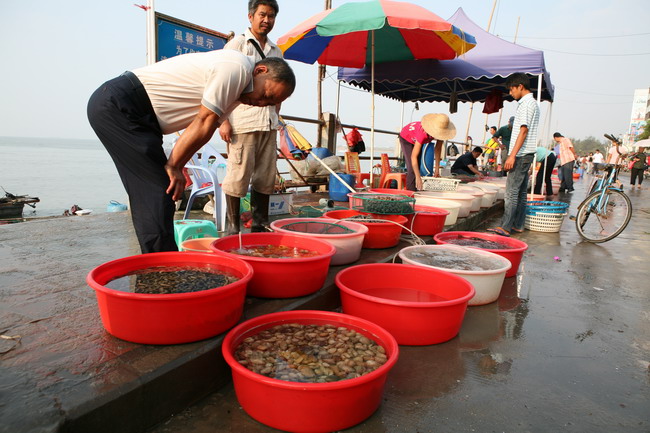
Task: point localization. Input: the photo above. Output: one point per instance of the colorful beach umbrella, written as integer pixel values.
(402, 31)
(364, 33)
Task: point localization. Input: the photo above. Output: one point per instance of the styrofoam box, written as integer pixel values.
(280, 204)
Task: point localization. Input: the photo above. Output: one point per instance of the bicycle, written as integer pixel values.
(606, 210)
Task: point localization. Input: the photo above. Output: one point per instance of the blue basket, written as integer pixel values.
(553, 207)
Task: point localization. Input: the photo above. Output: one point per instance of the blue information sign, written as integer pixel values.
(175, 37)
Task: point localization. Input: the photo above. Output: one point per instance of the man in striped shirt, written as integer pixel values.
(524, 137)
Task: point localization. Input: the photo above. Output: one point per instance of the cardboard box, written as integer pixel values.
(280, 204)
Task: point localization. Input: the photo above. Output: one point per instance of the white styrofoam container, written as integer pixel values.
(280, 204)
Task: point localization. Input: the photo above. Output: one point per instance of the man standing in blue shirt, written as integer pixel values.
(524, 137)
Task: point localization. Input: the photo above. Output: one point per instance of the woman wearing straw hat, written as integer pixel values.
(414, 135)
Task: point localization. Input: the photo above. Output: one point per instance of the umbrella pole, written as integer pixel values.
(469, 120)
(338, 99)
(372, 105)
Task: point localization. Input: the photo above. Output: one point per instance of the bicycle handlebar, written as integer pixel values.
(610, 137)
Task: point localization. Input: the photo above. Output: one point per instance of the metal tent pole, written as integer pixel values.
(539, 103)
(151, 33)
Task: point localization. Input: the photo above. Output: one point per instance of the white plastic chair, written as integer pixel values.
(205, 173)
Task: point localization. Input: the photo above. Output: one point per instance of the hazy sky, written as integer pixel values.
(56, 53)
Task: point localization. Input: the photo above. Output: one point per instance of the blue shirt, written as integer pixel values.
(542, 153)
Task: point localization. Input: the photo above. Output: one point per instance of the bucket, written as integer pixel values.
(280, 277)
(309, 407)
(170, 318)
(198, 245)
(338, 190)
(418, 305)
(348, 245)
(514, 251)
(487, 282)
(426, 221)
(380, 234)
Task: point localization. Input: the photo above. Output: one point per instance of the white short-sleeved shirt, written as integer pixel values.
(178, 86)
(527, 114)
(247, 118)
(598, 158)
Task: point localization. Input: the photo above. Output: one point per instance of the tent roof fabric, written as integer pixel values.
(470, 77)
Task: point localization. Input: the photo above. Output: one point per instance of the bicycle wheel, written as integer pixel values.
(600, 220)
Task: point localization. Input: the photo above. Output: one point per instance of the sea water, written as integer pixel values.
(64, 172)
(60, 172)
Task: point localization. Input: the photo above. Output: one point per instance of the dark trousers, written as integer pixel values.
(567, 176)
(407, 150)
(121, 115)
(544, 175)
(636, 173)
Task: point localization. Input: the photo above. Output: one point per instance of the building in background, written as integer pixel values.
(640, 114)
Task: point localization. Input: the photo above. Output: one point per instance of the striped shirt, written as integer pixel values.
(527, 115)
(248, 118)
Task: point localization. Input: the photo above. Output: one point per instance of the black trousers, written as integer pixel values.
(637, 173)
(567, 176)
(407, 150)
(544, 175)
(121, 115)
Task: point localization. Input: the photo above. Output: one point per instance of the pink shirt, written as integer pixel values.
(565, 151)
(414, 132)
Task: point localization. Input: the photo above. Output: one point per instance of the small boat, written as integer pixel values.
(11, 206)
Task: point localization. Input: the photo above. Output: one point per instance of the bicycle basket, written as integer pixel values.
(385, 204)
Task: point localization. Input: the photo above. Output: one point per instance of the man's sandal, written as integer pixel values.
(499, 231)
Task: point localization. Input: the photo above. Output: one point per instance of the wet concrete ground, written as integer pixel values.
(566, 347)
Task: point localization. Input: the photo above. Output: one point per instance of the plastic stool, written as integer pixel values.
(191, 229)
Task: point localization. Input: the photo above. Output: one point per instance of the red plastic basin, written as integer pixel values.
(426, 221)
(170, 318)
(380, 234)
(281, 278)
(417, 305)
(405, 192)
(309, 407)
(514, 252)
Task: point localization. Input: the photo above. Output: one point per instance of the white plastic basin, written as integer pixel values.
(451, 206)
(487, 282)
(348, 245)
(501, 189)
(486, 199)
(491, 191)
(464, 200)
(476, 193)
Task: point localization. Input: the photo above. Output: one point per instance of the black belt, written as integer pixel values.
(136, 83)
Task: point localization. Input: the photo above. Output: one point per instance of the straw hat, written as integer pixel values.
(438, 126)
